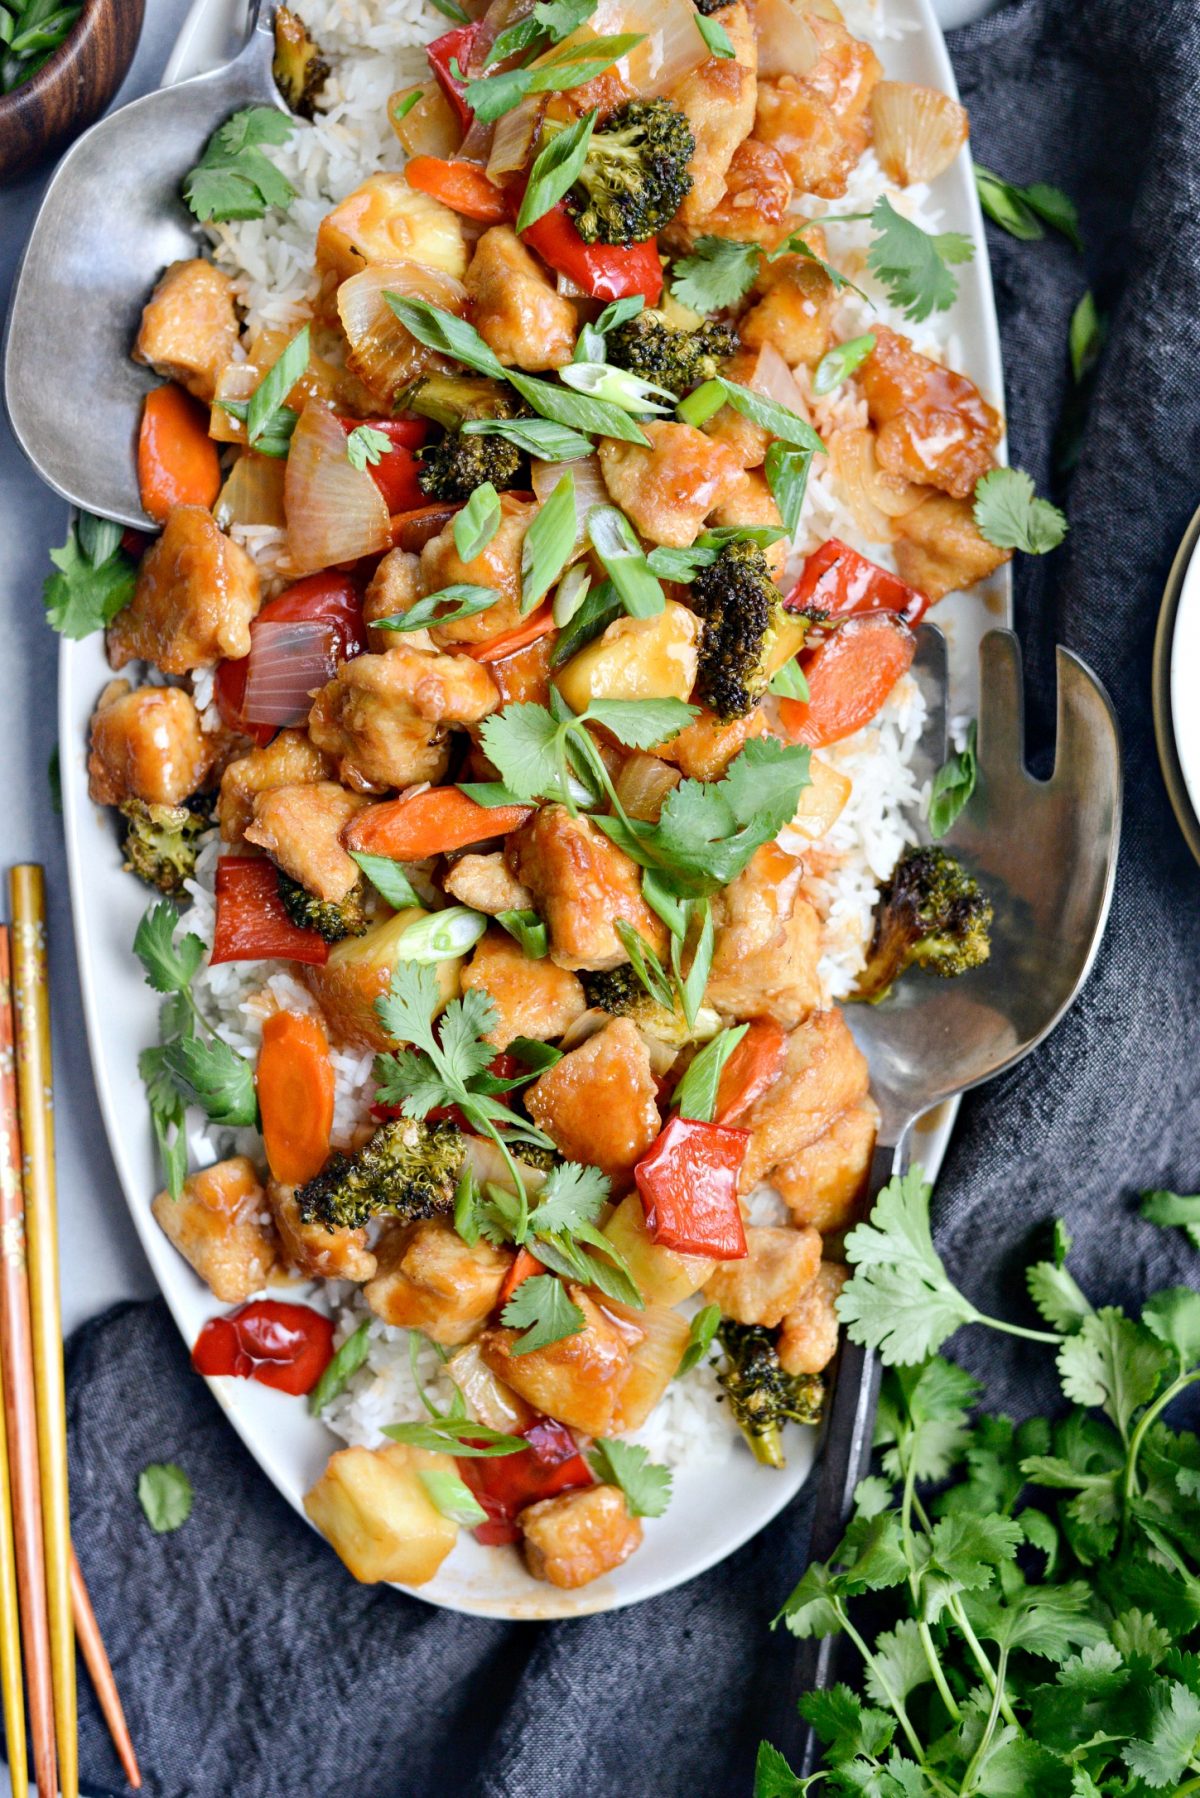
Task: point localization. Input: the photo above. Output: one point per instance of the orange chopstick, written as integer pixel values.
(11, 1688)
(31, 995)
(16, 1361)
(95, 1655)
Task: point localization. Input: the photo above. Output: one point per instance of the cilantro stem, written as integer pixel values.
(897, 1704)
(1053, 1337)
(989, 1730)
(1149, 1415)
(978, 1652)
(1189, 1786)
(914, 1586)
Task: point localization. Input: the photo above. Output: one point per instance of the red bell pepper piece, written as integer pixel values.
(280, 1345)
(326, 598)
(505, 1484)
(688, 1180)
(395, 473)
(753, 1067)
(251, 922)
(849, 675)
(454, 46)
(837, 580)
(136, 543)
(605, 271)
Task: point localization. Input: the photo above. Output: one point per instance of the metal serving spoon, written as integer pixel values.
(1046, 853)
(111, 220)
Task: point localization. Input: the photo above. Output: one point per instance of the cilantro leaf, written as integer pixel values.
(165, 1495)
(1169, 1744)
(169, 967)
(914, 265)
(813, 1607)
(1057, 1295)
(716, 274)
(1112, 1363)
(521, 741)
(1174, 1210)
(86, 595)
(233, 178)
(1009, 514)
(641, 723)
(572, 1195)
(1174, 1317)
(846, 1726)
(953, 785)
(900, 1299)
(542, 1309)
(215, 1077)
(701, 1331)
(900, 1659)
(773, 1778)
(366, 447)
(646, 1485)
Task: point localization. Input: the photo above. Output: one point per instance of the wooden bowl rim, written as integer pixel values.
(63, 60)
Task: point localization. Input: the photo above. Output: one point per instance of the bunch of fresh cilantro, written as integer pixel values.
(1044, 1640)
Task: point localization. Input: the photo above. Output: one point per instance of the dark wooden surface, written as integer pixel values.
(40, 117)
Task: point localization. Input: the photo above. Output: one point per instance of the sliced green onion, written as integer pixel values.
(625, 562)
(572, 591)
(463, 597)
(556, 168)
(840, 361)
(388, 878)
(600, 381)
(789, 682)
(548, 543)
(528, 930)
(477, 523)
(452, 1496)
(786, 470)
(345, 1364)
(442, 935)
(275, 386)
(696, 1094)
(701, 405)
(538, 437)
(715, 36)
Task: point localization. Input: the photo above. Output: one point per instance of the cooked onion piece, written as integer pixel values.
(335, 512)
(380, 351)
(875, 498)
(253, 493)
(429, 128)
(918, 131)
(787, 43)
(289, 660)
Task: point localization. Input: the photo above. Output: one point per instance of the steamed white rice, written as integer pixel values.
(375, 48)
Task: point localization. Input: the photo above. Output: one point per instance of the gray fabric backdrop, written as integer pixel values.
(249, 1662)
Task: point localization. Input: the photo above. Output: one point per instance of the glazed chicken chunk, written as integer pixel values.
(189, 326)
(515, 308)
(819, 122)
(498, 565)
(577, 1379)
(577, 1536)
(394, 589)
(932, 426)
(824, 1184)
(532, 998)
(599, 1102)
(311, 1249)
(940, 549)
(795, 313)
(383, 718)
(704, 748)
(779, 1266)
(581, 883)
(196, 592)
(669, 489)
(485, 884)
(428, 1279)
(718, 97)
(754, 207)
(220, 1224)
(809, 1337)
(768, 943)
(287, 760)
(146, 743)
(300, 826)
(824, 1071)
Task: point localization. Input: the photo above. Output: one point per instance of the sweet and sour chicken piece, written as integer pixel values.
(754, 206)
(220, 1224)
(819, 122)
(300, 826)
(581, 884)
(825, 1183)
(577, 1379)
(313, 1250)
(599, 1103)
(809, 1337)
(940, 549)
(394, 589)
(485, 884)
(824, 1071)
(532, 998)
(515, 308)
(383, 718)
(795, 311)
(196, 592)
(750, 501)
(718, 97)
(779, 1266)
(429, 1279)
(932, 426)
(498, 565)
(668, 489)
(574, 1538)
(146, 743)
(768, 943)
(189, 326)
(287, 760)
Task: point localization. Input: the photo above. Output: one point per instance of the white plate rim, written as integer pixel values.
(81, 672)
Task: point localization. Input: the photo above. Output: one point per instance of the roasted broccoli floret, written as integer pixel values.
(636, 174)
(449, 399)
(453, 468)
(707, 7)
(329, 918)
(762, 1396)
(931, 913)
(620, 992)
(299, 69)
(741, 609)
(409, 1169)
(160, 842)
(668, 356)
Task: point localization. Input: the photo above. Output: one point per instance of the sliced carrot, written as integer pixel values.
(522, 1268)
(750, 1070)
(429, 823)
(528, 631)
(295, 1096)
(177, 459)
(462, 186)
(849, 677)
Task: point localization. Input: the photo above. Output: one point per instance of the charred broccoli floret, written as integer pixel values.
(449, 399)
(299, 69)
(708, 7)
(160, 842)
(620, 992)
(762, 1396)
(409, 1169)
(741, 609)
(670, 357)
(636, 174)
(931, 913)
(453, 468)
(332, 919)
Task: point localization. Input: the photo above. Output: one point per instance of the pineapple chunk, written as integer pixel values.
(660, 1275)
(359, 971)
(386, 220)
(372, 1508)
(635, 658)
(821, 802)
(653, 1362)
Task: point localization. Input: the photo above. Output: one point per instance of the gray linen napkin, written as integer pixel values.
(250, 1662)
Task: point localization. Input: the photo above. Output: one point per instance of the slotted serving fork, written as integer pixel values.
(1046, 853)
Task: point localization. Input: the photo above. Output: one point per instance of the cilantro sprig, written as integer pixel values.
(1010, 515)
(234, 178)
(1037, 1618)
(94, 579)
(646, 1485)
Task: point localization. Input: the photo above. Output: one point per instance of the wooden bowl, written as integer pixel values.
(72, 88)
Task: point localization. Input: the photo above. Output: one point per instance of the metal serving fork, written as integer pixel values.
(1046, 853)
